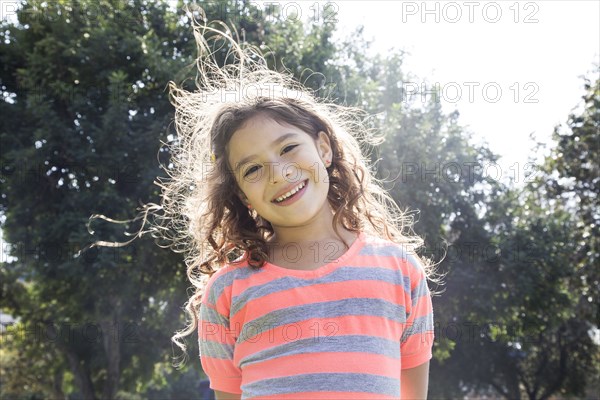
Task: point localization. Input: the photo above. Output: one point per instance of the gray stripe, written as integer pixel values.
(215, 349)
(211, 315)
(345, 343)
(419, 326)
(211, 346)
(327, 309)
(419, 291)
(226, 280)
(218, 286)
(325, 382)
(366, 273)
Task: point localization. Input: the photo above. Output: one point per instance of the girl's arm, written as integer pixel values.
(227, 396)
(414, 382)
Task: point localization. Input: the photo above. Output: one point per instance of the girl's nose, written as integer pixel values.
(278, 173)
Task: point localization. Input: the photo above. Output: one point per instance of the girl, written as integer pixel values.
(307, 283)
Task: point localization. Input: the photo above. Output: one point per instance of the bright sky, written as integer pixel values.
(535, 62)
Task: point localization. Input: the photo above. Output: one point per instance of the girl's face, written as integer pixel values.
(270, 160)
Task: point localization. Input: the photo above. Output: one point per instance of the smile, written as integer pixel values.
(292, 195)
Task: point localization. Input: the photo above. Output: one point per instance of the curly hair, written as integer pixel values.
(201, 212)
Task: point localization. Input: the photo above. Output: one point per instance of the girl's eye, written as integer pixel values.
(289, 148)
(251, 170)
(255, 167)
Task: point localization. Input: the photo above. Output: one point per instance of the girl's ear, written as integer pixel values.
(324, 146)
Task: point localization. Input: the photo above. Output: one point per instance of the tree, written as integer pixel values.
(84, 108)
(534, 318)
(570, 177)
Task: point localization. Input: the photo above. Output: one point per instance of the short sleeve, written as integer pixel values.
(418, 334)
(216, 341)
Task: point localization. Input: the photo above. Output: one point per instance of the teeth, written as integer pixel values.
(290, 193)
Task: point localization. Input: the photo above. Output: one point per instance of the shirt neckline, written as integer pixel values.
(352, 250)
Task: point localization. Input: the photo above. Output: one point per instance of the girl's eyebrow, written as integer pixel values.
(273, 144)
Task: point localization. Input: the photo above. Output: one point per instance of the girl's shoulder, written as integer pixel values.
(372, 239)
(385, 247)
(228, 271)
(220, 283)
(402, 253)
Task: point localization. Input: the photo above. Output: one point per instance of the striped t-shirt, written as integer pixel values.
(341, 331)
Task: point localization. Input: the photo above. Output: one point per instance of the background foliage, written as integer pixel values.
(84, 110)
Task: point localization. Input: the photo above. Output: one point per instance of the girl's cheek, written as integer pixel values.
(255, 179)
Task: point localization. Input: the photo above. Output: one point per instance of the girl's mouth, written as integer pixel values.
(294, 197)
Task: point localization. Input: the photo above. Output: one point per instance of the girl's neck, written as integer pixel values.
(312, 253)
(321, 236)
(318, 230)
